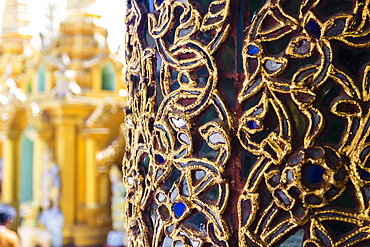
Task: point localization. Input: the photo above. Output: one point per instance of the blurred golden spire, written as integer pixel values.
(15, 16)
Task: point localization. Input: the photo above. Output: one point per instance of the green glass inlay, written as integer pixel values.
(346, 200)
(228, 56)
(293, 6)
(213, 194)
(207, 151)
(229, 89)
(209, 116)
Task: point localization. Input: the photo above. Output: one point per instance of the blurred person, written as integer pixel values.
(8, 238)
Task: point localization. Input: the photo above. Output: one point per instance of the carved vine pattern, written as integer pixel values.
(288, 101)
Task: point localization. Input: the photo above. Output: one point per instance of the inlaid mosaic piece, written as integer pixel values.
(248, 123)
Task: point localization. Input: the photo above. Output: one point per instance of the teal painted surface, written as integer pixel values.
(108, 78)
(41, 74)
(295, 240)
(26, 158)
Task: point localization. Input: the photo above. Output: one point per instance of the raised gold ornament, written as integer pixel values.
(248, 123)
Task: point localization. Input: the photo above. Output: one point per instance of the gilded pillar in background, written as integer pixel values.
(96, 78)
(65, 135)
(248, 123)
(93, 206)
(10, 185)
(91, 173)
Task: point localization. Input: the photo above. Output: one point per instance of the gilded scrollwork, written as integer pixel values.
(299, 107)
(161, 136)
(305, 175)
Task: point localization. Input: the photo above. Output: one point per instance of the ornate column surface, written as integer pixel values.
(10, 187)
(248, 123)
(9, 182)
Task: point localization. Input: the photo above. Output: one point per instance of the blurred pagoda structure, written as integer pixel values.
(60, 114)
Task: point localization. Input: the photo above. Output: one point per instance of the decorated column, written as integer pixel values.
(93, 133)
(65, 144)
(93, 206)
(248, 123)
(10, 185)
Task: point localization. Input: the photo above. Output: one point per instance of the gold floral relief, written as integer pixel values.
(247, 123)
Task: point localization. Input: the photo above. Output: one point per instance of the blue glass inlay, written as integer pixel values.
(159, 158)
(179, 209)
(159, 2)
(314, 174)
(252, 125)
(313, 28)
(151, 6)
(364, 174)
(253, 50)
